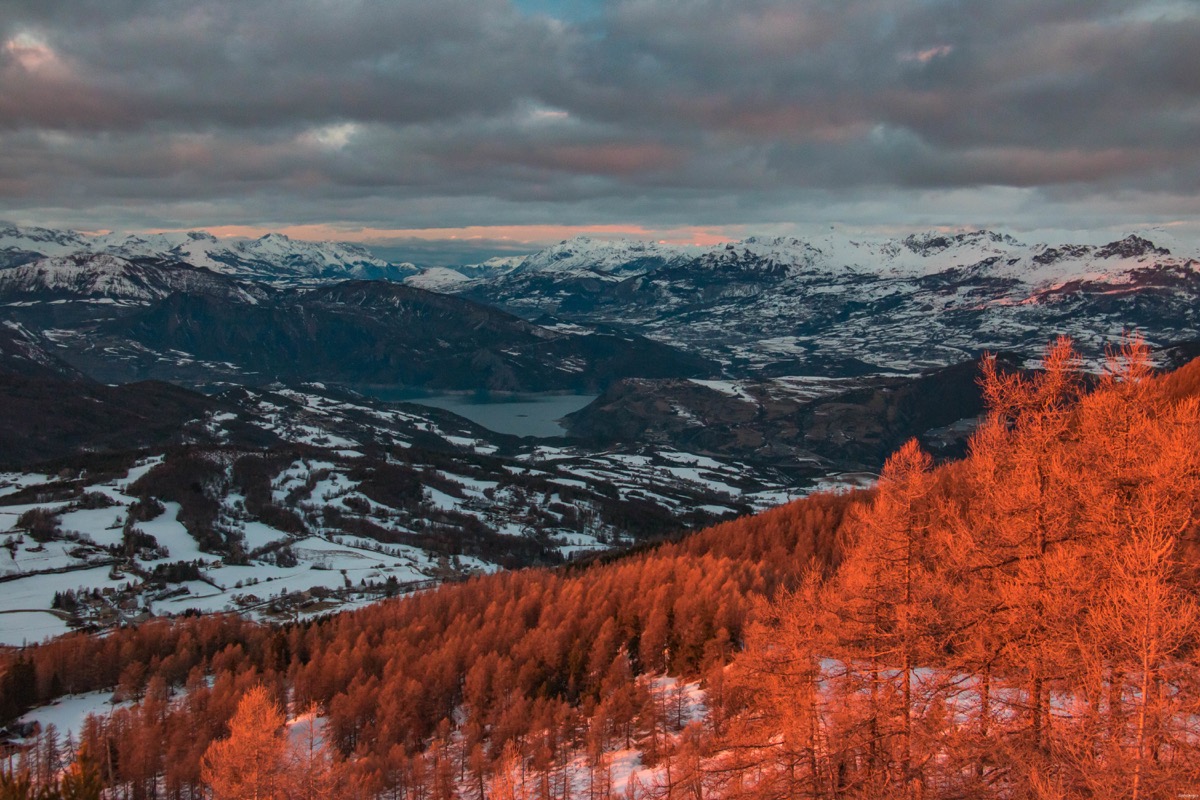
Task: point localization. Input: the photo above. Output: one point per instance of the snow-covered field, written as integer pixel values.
(33, 574)
(355, 543)
(68, 714)
(18, 628)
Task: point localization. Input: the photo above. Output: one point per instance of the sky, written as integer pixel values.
(438, 128)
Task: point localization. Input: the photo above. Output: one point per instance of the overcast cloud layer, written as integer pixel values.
(724, 115)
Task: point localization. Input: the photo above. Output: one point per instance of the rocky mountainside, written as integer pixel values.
(51, 410)
(806, 429)
(22, 356)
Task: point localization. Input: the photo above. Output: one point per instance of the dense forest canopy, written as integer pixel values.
(1021, 623)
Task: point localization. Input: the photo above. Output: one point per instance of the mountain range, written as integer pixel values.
(240, 376)
(821, 306)
(270, 257)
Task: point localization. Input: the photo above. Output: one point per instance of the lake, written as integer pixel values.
(516, 415)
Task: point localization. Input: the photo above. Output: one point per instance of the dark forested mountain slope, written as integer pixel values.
(387, 333)
(122, 319)
(51, 411)
(843, 427)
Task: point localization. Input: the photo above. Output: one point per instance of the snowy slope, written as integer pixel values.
(436, 279)
(792, 306)
(112, 278)
(585, 256)
(342, 522)
(279, 257)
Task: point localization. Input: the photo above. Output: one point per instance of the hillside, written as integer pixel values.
(978, 629)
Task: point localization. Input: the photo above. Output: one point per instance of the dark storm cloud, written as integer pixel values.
(481, 112)
(242, 63)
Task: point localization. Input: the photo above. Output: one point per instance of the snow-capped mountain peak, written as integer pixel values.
(583, 255)
(933, 242)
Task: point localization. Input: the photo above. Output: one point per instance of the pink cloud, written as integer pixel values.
(533, 235)
(34, 55)
(929, 53)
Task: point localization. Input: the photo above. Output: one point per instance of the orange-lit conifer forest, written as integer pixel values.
(1019, 624)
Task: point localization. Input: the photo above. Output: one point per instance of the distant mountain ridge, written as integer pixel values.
(110, 278)
(270, 257)
(767, 306)
(275, 256)
(915, 254)
(383, 333)
(783, 305)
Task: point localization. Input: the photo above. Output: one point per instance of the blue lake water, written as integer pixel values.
(521, 415)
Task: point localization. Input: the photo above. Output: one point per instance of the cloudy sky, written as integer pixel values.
(442, 125)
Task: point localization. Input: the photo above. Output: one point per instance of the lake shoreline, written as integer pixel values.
(536, 414)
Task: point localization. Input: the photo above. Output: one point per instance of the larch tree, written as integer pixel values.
(975, 637)
(1031, 497)
(886, 609)
(310, 767)
(249, 764)
(81, 779)
(780, 673)
(1146, 618)
(506, 782)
